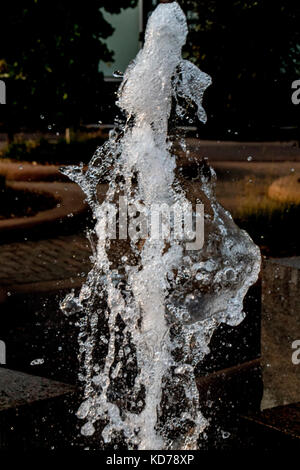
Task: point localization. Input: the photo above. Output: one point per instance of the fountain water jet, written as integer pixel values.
(150, 306)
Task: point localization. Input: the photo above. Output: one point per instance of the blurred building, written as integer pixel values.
(127, 38)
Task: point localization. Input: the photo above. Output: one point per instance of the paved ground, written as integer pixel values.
(19, 389)
(43, 261)
(39, 263)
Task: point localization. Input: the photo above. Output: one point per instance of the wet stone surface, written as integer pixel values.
(43, 260)
(280, 329)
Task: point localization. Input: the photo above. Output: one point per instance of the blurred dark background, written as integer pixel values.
(50, 53)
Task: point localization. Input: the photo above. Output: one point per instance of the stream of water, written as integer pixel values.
(152, 301)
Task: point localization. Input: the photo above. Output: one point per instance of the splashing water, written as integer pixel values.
(150, 306)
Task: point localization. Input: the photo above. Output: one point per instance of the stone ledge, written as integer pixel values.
(70, 200)
(280, 328)
(282, 419)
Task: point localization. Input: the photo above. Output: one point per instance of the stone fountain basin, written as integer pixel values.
(24, 171)
(70, 202)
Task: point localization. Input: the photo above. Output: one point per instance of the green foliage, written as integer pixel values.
(50, 51)
(17, 151)
(58, 153)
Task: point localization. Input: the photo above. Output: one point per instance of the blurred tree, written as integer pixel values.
(251, 48)
(50, 52)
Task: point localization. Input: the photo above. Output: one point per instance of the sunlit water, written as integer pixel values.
(150, 306)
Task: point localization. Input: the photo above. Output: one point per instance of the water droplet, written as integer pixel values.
(84, 409)
(229, 274)
(37, 362)
(88, 429)
(70, 305)
(85, 292)
(118, 74)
